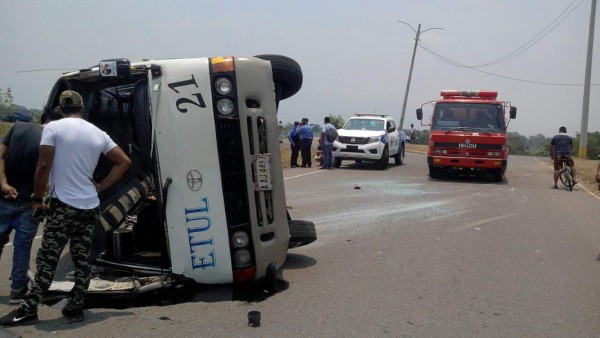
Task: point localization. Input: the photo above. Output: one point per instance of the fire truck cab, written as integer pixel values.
(468, 133)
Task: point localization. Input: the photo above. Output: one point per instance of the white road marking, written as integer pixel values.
(445, 215)
(310, 173)
(483, 221)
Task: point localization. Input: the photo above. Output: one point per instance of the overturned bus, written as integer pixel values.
(204, 198)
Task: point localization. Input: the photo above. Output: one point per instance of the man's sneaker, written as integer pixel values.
(16, 296)
(19, 317)
(73, 315)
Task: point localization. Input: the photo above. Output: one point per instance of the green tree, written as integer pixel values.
(37, 114)
(423, 136)
(337, 121)
(517, 144)
(538, 145)
(6, 97)
(593, 145)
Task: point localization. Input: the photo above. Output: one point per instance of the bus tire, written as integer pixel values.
(301, 233)
(287, 75)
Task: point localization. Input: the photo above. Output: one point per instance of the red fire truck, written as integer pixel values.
(468, 133)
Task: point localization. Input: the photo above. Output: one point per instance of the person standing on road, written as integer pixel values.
(560, 150)
(294, 145)
(327, 145)
(19, 153)
(305, 132)
(69, 152)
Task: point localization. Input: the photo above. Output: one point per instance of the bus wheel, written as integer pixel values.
(287, 75)
(301, 233)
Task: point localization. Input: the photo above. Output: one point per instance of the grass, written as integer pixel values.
(4, 127)
(586, 169)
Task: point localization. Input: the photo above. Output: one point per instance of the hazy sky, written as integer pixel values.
(355, 55)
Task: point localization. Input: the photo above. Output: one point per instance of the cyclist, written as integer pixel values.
(560, 150)
(413, 134)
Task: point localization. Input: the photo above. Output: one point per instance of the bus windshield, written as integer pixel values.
(473, 116)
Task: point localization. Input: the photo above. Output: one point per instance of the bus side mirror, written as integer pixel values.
(420, 114)
(513, 112)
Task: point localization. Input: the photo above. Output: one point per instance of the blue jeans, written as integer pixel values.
(327, 155)
(17, 216)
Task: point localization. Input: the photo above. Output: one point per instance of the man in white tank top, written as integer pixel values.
(69, 152)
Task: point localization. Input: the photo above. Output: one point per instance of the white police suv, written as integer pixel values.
(369, 137)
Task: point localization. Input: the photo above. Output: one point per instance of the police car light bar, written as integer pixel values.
(469, 93)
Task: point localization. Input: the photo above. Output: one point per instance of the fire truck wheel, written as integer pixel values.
(287, 75)
(385, 158)
(434, 172)
(498, 175)
(301, 233)
(337, 162)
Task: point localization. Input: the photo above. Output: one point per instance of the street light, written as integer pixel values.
(412, 62)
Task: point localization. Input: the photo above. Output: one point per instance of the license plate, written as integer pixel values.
(262, 172)
(352, 147)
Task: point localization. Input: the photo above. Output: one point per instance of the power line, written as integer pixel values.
(460, 65)
(538, 37)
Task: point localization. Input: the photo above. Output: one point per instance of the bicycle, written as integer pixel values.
(565, 175)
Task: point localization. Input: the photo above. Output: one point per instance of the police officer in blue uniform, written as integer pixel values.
(305, 132)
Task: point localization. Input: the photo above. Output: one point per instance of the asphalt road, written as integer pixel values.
(399, 255)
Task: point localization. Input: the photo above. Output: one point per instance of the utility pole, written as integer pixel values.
(412, 62)
(586, 87)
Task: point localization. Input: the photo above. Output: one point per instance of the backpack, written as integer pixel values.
(331, 134)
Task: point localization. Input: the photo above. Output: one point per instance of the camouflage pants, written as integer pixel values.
(64, 224)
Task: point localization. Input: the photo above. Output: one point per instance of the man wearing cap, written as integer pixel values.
(69, 152)
(19, 153)
(305, 132)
